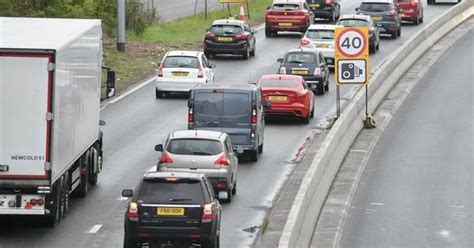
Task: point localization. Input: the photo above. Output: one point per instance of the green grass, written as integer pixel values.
(190, 30)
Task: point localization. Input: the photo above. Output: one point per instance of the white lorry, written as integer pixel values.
(50, 92)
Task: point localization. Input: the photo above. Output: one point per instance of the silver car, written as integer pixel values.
(202, 151)
(320, 37)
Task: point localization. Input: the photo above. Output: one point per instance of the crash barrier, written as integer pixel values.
(304, 213)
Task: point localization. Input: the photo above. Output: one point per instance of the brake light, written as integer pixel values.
(132, 212)
(317, 71)
(282, 70)
(304, 42)
(160, 71)
(165, 159)
(241, 36)
(391, 14)
(190, 115)
(171, 179)
(208, 212)
(254, 116)
(221, 185)
(200, 74)
(222, 160)
(210, 35)
(329, 2)
(33, 202)
(40, 202)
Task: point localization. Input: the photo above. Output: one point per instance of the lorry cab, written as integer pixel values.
(233, 109)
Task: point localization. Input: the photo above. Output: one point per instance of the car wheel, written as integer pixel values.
(234, 189)
(321, 88)
(252, 53)
(253, 155)
(307, 119)
(157, 94)
(311, 114)
(394, 35)
(207, 54)
(372, 48)
(377, 47)
(268, 32)
(399, 32)
(214, 243)
(417, 20)
(421, 19)
(326, 87)
(246, 54)
(128, 242)
(260, 148)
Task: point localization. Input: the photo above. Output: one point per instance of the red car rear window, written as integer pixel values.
(285, 6)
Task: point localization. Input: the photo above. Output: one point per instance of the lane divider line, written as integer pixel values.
(128, 92)
(95, 228)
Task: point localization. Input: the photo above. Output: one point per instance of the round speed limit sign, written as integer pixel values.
(351, 42)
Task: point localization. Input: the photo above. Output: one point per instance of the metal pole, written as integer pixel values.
(121, 25)
(338, 102)
(205, 10)
(366, 100)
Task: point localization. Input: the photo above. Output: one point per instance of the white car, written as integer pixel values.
(320, 37)
(180, 71)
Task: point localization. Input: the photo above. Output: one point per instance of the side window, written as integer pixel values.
(204, 61)
(305, 85)
(247, 28)
(305, 6)
(259, 99)
(228, 145)
(321, 58)
(209, 189)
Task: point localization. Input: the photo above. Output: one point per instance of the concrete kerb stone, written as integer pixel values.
(307, 205)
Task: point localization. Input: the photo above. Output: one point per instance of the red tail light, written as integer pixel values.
(254, 116)
(222, 160)
(221, 185)
(241, 36)
(200, 73)
(40, 202)
(304, 42)
(132, 212)
(190, 115)
(160, 71)
(165, 159)
(210, 35)
(208, 211)
(282, 70)
(329, 2)
(317, 71)
(391, 14)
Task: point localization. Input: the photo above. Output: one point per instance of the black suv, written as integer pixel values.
(325, 9)
(310, 64)
(230, 37)
(175, 209)
(385, 14)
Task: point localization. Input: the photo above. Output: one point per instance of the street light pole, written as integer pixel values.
(121, 25)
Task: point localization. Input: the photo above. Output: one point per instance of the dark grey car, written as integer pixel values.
(385, 14)
(363, 21)
(233, 109)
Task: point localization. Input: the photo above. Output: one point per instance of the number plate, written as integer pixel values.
(299, 72)
(322, 46)
(224, 39)
(179, 74)
(376, 18)
(314, 5)
(278, 98)
(170, 211)
(285, 24)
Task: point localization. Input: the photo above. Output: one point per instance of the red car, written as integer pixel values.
(289, 95)
(288, 15)
(412, 10)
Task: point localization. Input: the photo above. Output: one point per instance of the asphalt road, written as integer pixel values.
(139, 121)
(169, 10)
(417, 189)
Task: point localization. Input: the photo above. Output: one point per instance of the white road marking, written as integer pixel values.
(377, 203)
(445, 233)
(356, 150)
(128, 92)
(95, 228)
(457, 206)
(122, 198)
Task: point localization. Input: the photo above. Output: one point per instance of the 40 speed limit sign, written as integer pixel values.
(351, 55)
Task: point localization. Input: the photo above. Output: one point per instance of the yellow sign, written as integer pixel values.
(351, 55)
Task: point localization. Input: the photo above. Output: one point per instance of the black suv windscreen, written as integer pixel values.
(194, 147)
(226, 29)
(279, 83)
(160, 191)
(300, 58)
(231, 108)
(284, 6)
(353, 23)
(320, 34)
(180, 62)
(375, 7)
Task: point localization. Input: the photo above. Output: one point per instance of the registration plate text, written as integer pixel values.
(278, 98)
(170, 211)
(285, 24)
(224, 39)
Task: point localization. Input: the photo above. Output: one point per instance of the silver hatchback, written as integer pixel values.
(202, 151)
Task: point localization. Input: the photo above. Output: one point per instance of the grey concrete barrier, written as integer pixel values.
(316, 184)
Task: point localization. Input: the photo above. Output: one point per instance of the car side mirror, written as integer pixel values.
(267, 105)
(400, 11)
(101, 123)
(280, 60)
(110, 84)
(269, 7)
(357, 9)
(159, 148)
(127, 193)
(212, 66)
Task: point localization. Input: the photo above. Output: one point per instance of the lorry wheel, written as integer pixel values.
(84, 186)
(54, 216)
(95, 163)
(66, 193)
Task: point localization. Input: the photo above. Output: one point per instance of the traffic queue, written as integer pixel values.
(177, 202)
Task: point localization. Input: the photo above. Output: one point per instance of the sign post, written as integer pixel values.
(352, 63)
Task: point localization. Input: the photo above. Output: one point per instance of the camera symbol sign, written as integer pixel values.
(352, 71)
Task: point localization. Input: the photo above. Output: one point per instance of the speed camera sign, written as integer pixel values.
(352, 52)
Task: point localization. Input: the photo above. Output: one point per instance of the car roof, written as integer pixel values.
(324, 26)
(161, 174)
(243, 87)
(357, 17)
(288, 1)
(377, 1)
(281, 76)
(183, 53)
(293, 50)
(199, 134)
(229, 21)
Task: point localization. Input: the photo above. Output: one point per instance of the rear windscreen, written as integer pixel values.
(320, 34)
(284, 6)
(158, 191)
(180, 62)
(267, 83)
(213, 108)
(375, 7)
(226, 29)
(353, 23)
(300, 58)
(194, 147)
